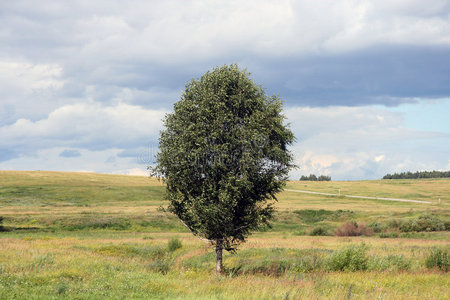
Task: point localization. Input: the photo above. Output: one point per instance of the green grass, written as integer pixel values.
(95, 236)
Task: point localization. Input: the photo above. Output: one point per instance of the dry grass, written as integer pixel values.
(97, 263)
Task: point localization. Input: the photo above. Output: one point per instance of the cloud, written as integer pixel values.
(362, 142)
(136, 172)
(28, 89)
(88, 161)
(168, 31)
(387, 75)
(70, 153)
(88, 126)
(98, 77)
(312, 53)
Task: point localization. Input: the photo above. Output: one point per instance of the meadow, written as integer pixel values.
(93, 236)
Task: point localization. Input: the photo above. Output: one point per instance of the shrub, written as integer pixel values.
(438, 258)
(385, 235)
(174, 244)
(351, 258)
(1, 224)
(308, 263)
(394, 223)
(390, 262)
(353, 229)
(423, 223)
(376, 227)
(319, 231)
(313, 215)
(317, 215)
(159, 265)
(61, 288)
(267, 266)
(447, 225)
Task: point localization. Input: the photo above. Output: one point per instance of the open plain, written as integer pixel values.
(93, 236)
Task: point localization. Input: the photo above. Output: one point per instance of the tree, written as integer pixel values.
(223, 156)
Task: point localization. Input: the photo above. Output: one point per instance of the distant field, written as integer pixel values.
(85, 235)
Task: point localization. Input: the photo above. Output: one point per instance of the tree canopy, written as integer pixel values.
(418, 174)
(223, 156)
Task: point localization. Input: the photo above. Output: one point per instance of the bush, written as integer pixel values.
(385, 235)
(351, 258)
(319, 231)
(267, 266)
(423, 223)
(390, 262)
(376, 227)
(313, 215)
(174, 244)
(317, 215)
(447, 225)
(308, 263)
(438, 258)
(394, 223)
(353, 229)
(1, 224)
(159, 265)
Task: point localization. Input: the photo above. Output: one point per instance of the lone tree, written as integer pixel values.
(223, 157)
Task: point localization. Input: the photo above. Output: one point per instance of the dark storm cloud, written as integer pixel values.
(99, 76)
(384, 75)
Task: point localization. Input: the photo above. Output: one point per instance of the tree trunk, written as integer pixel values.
(219, 250)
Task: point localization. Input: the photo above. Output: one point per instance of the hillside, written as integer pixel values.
(73, 201)
(95, 236)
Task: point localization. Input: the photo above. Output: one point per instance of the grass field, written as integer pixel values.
(93, 236)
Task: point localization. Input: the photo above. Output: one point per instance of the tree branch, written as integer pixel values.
(200, 238)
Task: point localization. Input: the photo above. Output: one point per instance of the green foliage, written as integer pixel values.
(129, 250)
(277, 261)
(159, 265)
(61, 288)
(272, 261)
(438, 258)
(223, 156)
(390, 262)
(420, 174)
(314, 215)
(319, 231)
(313, 177)
(351, 258)
(174, 244)
(2, 228)
(385, 235)
(423, 223)
(377, 227)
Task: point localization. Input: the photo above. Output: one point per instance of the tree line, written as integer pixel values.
(419, 174)
(313, 177)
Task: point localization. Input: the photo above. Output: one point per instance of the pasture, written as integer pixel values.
(93, 236)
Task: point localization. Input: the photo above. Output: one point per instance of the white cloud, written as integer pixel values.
(96, 76)
(88, 125)
(27, 89)
(360, 142)
(172, 31)
(87, 161)
(135, 172)
(379, 158)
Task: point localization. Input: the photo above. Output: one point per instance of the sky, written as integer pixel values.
(84, 85)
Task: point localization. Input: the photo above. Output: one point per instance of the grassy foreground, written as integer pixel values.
(93, 236)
